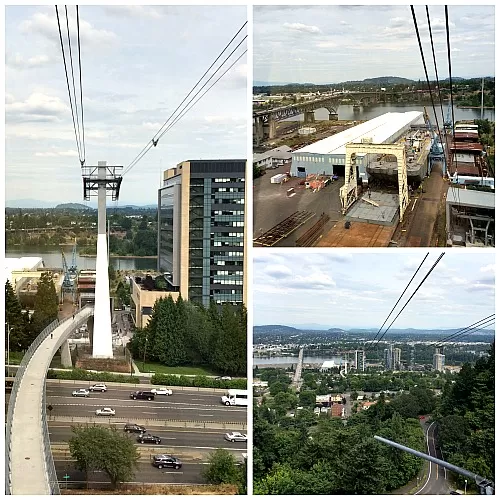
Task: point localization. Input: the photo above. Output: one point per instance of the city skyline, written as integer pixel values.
(138, 64)
(333, 44)
(333, 289)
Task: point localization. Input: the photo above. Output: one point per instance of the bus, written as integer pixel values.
(235, 397)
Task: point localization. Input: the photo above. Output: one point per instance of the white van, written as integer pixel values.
(235, 397)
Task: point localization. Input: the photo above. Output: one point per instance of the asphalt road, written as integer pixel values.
(146, 473)
(436, 482)
(185, 406)
(204, 441)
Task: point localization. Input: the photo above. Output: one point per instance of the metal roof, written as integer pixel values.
(378, 129)
(281, 152)
(470, 197)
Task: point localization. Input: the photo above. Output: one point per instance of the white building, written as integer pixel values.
(438, 362)
(328, 155)
(273, 157)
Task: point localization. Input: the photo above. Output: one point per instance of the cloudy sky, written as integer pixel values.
(138, 63)
(330, 44)
(358, 290)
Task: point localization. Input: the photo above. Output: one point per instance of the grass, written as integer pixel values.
(127, 489)
(15, 357)
(150, 367)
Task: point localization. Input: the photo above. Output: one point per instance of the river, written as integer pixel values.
(292, 360)
(346, 112)
(52, 258)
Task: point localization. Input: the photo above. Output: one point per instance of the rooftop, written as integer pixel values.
(470, 198)
(379, 130)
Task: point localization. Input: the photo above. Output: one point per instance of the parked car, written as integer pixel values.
(98, 387)
(161, 391)
(226, 377)
(162, 461)
(140, 429)
(148, 438)
(142, 395)
(104, 412)
(81, 392)
(236, 436)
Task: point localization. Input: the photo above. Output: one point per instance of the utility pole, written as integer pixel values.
(8, 348)
(482, 99)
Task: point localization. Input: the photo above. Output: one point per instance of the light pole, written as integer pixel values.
(465, 493)
(144, 358)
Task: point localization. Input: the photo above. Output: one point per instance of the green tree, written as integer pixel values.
(222, 468)
(105, 449)
(46, 303)
(17, 321)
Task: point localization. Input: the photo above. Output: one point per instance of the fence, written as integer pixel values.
(50, 469)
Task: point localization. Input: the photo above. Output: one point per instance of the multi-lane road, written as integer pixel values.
(190, 423)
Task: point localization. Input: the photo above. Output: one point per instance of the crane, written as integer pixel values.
(447, 123)
(436, 152)
(73, 269)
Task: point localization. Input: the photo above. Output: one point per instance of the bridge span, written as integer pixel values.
(28, 458)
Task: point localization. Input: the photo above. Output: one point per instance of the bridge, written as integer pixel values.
(264, 122)
(29, 463)
(297, 378)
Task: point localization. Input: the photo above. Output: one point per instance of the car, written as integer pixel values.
(162, 461)
(105, 411)
(98, 387)
(235, 436)
(223, 378)
(81, 392)
(143, 395)
(161, 391)
(148, 438)
(135, 428)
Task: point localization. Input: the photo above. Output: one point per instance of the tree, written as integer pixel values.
(18, 323)
(104, 449)
(222, 468)
(46, 303)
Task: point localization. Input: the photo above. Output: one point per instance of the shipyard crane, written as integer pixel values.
(436, 152)
(68, 283)
(447, 123)
(73, 269)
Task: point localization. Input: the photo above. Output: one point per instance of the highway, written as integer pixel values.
(435, 482)
(186, 405)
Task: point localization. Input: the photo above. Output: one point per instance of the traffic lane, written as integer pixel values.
(140, 409)
(61, 432)
(145, 473)
(124, 393)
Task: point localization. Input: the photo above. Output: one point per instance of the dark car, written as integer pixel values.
(143, 395)
(134, 428)
(148, 438)
(162, 461)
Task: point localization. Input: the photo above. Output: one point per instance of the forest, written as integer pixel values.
(182, 333)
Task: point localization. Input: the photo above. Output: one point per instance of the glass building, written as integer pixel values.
(201, 230)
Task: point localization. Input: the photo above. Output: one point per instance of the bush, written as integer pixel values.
(79, 374)
(198, 381)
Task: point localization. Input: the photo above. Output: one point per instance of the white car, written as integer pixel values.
(81, 392)
(98, 387)
(161, 391)
(236, 436)
(104, 412)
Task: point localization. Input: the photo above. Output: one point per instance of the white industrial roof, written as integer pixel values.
(470, 197)
(329, 364)
(378, 129)
(20, 264)
(281, 152)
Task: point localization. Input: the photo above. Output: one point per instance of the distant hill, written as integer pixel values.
(73, 206)
(276, 329)
(28, 203)
(336, 330)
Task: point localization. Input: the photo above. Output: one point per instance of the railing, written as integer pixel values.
(50, 469)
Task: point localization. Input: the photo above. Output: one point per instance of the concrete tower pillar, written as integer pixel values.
(309, 117)
(102, 346)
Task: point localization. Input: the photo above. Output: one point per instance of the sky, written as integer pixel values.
(332, 44)
(358, 290)
(138, 64)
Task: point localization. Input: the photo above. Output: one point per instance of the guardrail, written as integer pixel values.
(50, 469)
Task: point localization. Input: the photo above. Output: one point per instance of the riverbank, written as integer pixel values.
(475, 107)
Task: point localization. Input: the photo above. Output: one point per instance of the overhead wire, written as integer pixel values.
(82, 161)
(67, 81)
(183, 112)
(412, 295)
(483, 323)
(154, 141)
(399, 299)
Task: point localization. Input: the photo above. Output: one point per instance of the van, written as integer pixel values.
(143, 395)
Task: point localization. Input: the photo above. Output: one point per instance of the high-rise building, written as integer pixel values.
(438, 361)
(201, 230)
(359, 360)
(388, 357)
(396, 358)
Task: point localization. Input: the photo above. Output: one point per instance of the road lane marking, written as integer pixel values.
(149, 413)
(205, 415)
(430, 463)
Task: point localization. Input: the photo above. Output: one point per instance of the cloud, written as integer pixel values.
(69, 152)
(490, 268)
(278, 271)
(304, 28)
(38, 107)
(46, 26)
(17, 61)
(133, 11)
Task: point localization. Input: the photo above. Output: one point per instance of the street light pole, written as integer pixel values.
(8, 349)
(465, 493)
(144, 358)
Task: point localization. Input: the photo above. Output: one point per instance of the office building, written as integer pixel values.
(359, 360)
(438, 361)
(396, 358)
(388, 358)
(201, 230)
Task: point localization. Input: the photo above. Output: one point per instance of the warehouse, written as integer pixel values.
(328, 155)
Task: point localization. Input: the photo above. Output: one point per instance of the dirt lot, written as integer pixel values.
(272, 205)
